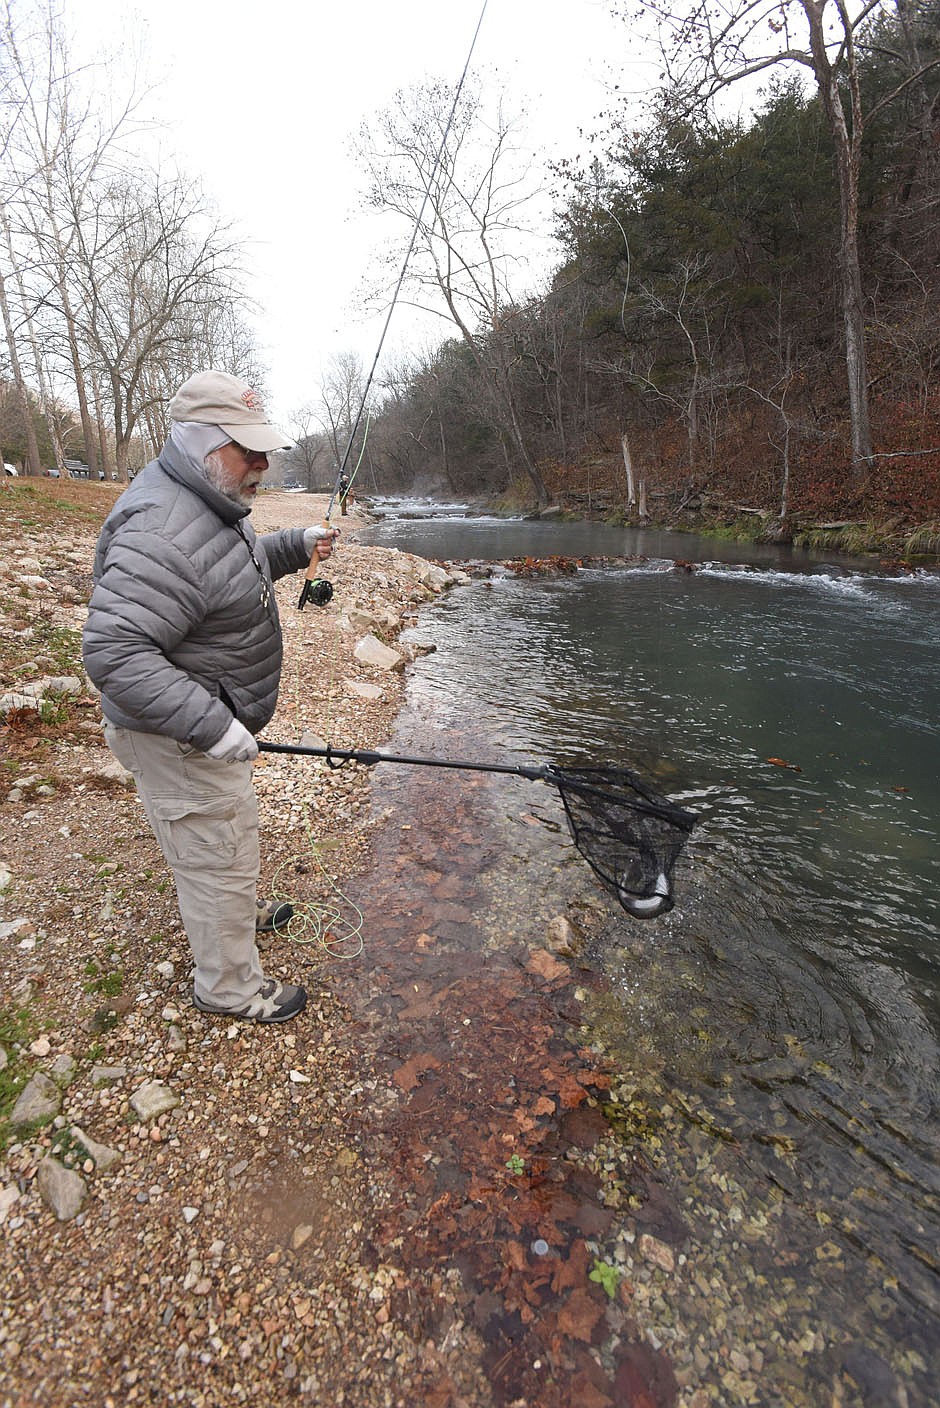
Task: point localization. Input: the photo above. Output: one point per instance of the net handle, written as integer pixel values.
(370, 758)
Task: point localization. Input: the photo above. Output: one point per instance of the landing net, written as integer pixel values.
(630, 835)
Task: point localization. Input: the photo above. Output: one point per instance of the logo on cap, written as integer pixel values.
(253, 401)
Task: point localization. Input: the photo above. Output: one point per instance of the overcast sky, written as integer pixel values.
(259, 101)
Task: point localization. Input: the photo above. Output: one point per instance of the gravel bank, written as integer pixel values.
(185, 1218)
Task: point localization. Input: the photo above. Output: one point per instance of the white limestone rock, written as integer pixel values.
(153, 1099)
(38, 1100)
(371, 651)
(61, 1189)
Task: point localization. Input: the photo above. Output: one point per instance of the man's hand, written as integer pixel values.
(319, 540)
(236, 745)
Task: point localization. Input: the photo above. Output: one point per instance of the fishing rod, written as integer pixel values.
(630, 835)
(316, 588)
(319, 589)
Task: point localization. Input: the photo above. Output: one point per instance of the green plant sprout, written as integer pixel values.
(606, 1275)
(516, 1165)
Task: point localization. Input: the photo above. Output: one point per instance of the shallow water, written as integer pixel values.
(794, 992)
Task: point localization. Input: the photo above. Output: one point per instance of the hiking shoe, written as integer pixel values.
(274, 1002)
(272, 916)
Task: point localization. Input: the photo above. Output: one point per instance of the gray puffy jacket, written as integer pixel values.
(178, 636)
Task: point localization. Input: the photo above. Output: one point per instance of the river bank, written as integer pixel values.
(438, 1188)
(157, 1277)
(895, 541)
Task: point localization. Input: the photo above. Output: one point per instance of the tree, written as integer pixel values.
(310, 458)
(341, 401)
(453, 176)
(709, 45)
(150, 266)
(11, 111)
(122, 283)
(64, 137)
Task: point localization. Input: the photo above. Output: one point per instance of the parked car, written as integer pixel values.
(53, 473)
(10, 469)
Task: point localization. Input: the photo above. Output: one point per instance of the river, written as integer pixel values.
(790, 1003)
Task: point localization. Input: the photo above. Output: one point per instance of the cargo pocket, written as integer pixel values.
(120, 741)
(197, 832)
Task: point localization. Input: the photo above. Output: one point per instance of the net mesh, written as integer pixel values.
(630, 835)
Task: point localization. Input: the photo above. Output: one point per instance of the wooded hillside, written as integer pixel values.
(693, 339)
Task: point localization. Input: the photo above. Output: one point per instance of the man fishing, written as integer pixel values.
(184, 642)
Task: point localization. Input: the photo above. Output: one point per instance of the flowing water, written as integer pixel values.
(794, 992)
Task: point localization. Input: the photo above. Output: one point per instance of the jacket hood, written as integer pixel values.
(178, 466)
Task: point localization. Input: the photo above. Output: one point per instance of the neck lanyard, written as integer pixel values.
(265, 587)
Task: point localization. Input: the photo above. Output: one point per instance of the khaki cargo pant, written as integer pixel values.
(204, 814)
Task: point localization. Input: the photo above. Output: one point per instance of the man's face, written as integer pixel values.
(237, 472)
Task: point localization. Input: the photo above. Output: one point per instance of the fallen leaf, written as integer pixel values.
(645, 1378)
(588, 1395)
(546, 965)
(570, 1092)
(782, 763)
(409, 1075)
(514, 1253)
(441, 1396)
(573, 1271)
(579, 1314)
(600, 1080)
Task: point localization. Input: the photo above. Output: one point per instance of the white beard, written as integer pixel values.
(225, 481)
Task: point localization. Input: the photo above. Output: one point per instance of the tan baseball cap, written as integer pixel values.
(215, 398)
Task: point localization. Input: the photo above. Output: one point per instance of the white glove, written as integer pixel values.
(236, 745)
(315, 534)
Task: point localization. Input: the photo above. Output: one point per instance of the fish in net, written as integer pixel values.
(630, 835)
